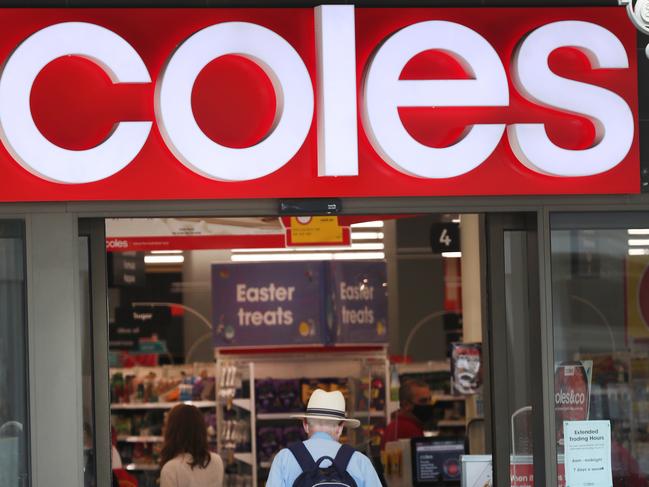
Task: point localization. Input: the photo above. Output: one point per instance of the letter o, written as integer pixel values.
(293, 89)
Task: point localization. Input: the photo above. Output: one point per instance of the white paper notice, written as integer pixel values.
(587, 453)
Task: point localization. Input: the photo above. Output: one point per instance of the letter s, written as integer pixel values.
(609, 113)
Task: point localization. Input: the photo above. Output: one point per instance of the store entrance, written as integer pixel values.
(244, 317)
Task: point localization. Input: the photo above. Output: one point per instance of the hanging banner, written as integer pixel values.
(572, 387)
(268, 304)
(359, 300)
(146, 234)
(466, 368)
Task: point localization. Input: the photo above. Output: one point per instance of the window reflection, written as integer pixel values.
(13, 380)
(601, 341)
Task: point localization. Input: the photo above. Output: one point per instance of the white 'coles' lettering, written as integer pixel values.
(19, 132)
(610, 114)
(383, 92)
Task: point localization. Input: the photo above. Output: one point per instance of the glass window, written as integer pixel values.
(14, 432)
(600, 297)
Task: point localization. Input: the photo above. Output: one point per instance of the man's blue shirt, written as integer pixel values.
(285, 468)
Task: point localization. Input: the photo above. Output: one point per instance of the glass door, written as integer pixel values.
(97, 444)
(14, 426)
(514, 349)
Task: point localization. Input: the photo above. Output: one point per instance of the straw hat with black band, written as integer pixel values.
(328, 406)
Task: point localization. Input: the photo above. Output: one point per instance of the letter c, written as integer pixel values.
(19, 132)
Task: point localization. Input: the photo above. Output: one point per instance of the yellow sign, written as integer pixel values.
(315, 230)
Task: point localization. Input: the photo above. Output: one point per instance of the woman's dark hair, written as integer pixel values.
(185, 432)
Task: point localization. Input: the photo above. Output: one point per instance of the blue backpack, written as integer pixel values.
(335, 475)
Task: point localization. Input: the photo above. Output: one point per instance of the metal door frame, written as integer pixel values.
(540, 344)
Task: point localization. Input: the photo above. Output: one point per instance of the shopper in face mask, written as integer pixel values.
(414, 411)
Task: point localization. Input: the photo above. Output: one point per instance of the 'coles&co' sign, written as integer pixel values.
(333, 101)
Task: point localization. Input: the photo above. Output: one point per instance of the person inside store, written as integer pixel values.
(323, 422)
(185, 458)
(414, 411)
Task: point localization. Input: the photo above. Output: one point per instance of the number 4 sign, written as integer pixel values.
(445, 237)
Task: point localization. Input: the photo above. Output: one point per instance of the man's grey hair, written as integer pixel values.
(323, 426)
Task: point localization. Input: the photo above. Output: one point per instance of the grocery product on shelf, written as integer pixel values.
(263, 390)
(140, 399)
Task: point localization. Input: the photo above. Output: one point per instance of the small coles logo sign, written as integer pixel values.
(331, 101)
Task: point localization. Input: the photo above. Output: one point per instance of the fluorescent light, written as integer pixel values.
(638, 251)
(262, 251)
(166, 251)
(164, 259)
(367, 235)
(279, 257)
(368, 246)
(354, 246)
(358, 255)
(638, 231)
(638, 241)
(455, 220)
(376, 224)
(452, 255)
(307, 256)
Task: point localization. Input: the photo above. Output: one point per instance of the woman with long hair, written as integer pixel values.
(185, 459)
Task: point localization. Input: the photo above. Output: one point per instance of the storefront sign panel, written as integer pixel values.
(268, 304)
(332, 101)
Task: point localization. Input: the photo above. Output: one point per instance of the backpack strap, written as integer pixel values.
(302, 456)
(343, 457)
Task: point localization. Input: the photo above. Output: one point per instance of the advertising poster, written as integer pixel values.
(359, 301)
(521, 471)
(588, 453)
(466, 370)
(637, 299)
(266, 304)
(572, 386)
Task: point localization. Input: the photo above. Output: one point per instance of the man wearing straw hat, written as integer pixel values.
(323, 422)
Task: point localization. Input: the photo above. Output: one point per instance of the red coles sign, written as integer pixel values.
(333, 101)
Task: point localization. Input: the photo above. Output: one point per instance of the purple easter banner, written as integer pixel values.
(359, 296)
(268, 304)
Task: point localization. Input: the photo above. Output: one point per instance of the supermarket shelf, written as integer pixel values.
(242, 403)
(244, 457)
(424, 367)
(371, 414)
(159, 405)
(271, 416)
(279, 416)
(140, 439)
(446, 398)
(150, 467)
(451, 423)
